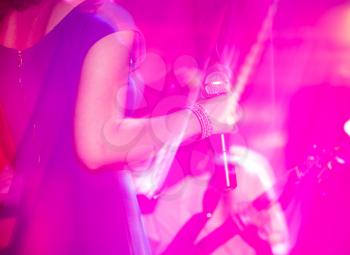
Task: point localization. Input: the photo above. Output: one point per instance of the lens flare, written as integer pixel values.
(347, 127)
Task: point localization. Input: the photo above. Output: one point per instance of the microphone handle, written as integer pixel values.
(225, 172)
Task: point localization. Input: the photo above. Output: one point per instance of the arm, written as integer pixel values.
(103, 135)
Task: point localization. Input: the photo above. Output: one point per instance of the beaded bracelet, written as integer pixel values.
(203, 118)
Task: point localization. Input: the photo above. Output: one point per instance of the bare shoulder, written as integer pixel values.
(117, 43)
(129, 36)
(117, 16)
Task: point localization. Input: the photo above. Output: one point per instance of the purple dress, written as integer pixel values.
(61, 207)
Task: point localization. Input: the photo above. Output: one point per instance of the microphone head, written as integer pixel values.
(216, 83)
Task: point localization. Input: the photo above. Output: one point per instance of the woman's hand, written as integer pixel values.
(222, 111)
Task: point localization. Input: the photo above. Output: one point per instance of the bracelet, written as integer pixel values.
(203, 118)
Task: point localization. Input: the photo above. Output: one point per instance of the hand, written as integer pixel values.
(222, 111)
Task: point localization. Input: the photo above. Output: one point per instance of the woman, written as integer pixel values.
(64, 71)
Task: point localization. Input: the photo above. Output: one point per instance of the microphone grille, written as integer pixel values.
(216, 83)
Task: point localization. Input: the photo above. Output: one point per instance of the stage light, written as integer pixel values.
(209, 215)
(347, 127)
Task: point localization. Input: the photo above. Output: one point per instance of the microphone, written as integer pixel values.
(217, 83)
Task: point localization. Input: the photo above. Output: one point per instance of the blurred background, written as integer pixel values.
(293, 59)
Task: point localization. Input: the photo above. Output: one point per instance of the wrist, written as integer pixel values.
(202, 119)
